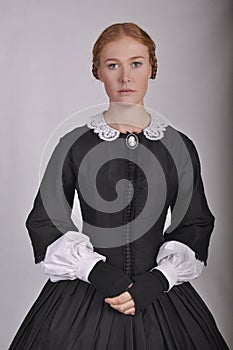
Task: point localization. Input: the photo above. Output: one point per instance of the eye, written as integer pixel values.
(136, 64)
(112, 65)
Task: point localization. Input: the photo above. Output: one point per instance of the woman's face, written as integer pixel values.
(125, 70)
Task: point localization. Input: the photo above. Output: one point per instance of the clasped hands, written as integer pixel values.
(126, 295)
(123, 303)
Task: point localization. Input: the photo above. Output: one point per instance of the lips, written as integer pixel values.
(126, 90)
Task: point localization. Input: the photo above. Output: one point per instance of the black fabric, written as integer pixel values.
(147, 287)
(60, 183)
(72, 315)
(50, 216)
(198, 221)
(108, 279)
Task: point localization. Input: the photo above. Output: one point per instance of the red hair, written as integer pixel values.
(117, 31)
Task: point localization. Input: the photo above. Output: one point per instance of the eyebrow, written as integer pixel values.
(131, 58)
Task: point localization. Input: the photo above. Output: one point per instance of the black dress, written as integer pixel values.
(161, 172)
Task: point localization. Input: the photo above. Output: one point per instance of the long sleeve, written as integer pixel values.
(192, 223)
(69, 257)
(54, 236)
(185, 251)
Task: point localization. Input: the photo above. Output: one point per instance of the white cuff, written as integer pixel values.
(69, 257)
(178, 263)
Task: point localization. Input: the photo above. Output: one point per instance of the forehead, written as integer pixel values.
(124, 47)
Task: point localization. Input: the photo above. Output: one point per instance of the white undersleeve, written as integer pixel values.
(72, 256)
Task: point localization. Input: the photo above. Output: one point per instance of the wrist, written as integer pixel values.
(146, 288)
(108, 279)
(164, 281)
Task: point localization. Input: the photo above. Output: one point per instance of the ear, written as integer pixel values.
(99, 74)
(150, 71)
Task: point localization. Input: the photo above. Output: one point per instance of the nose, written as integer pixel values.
(125, 74)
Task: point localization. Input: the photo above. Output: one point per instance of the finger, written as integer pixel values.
(120, 299)
(125, 296)
(113, 299)
(130, 311)
(123, 307)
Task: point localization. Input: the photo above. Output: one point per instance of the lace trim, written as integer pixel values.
(105, 131)
(154, 131)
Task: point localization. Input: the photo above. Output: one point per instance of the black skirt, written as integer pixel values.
(71, 315)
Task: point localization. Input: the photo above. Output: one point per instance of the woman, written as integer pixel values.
(123, 282)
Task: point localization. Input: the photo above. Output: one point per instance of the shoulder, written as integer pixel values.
(178, 139)
(74, 135)
(79, 137)
(181, 147)
(61, 146)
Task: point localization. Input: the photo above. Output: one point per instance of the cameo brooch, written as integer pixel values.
(132, 141)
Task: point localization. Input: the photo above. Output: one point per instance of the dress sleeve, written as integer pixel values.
(185, 251)
(178, 263)
(69, 257)
(64, 252)
(191, 220)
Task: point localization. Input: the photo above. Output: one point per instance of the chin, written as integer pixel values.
(129, 100)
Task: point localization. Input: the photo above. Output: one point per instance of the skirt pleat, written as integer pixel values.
(71, 315)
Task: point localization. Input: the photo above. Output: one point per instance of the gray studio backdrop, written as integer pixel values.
(46, 77)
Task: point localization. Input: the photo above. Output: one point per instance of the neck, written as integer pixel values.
(127, 117)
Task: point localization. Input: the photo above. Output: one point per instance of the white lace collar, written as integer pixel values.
(154, 131)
